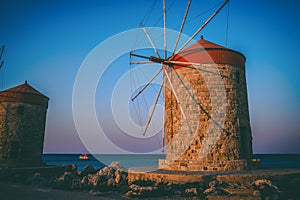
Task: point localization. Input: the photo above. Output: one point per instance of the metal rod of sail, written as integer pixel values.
(165, 29)
(202, 27)
(179, 63)
(2, 50)
(163, 137)
(153, 109)
(175, 94)
(146, 85)
(150, 58)
(141, 62)
(182, 25)
(1, 64)
(140, 56)
(150, 40)
(192, 66)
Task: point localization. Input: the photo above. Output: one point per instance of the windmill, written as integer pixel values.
(168, 63)
(23, 112)
(215, 133)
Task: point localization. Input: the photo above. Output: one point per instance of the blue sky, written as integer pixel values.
(46, 42)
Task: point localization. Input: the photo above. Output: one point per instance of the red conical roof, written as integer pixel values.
(24, 93)
(206, 52)
(208, 45)
(25, 88)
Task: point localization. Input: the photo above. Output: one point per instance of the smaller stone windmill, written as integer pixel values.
(207, 125)
(23, 112)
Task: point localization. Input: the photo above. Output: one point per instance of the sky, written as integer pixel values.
(48, 41)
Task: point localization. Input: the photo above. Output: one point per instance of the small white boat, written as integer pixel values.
(84, 157)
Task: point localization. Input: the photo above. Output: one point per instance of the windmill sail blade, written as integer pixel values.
(150, 58)
(173, 90)
(163, 134)
(201, 107)
(141, 62)
(146, 85)
(163, 138)
(182, 64)
(177, 100)
(165, 29)
(182, 25)
(203, 26)
(2, 50)
(1, 64)
(139, 56)
(191, 66)
(150, 40)
(153, 109)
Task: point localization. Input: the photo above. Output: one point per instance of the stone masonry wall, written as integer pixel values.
(216, 134)
(22, 128)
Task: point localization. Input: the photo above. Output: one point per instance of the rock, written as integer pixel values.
(264, 183)
(85, 183)
(71, 168)
(266, 189)
(146, 189)
(90, 181)
(143, 191)
(212, 184)
(256, 193)
(130, 193)
(216, 189)
(106, 171)
(65, 181)
(107, 178)
(37, 174)
(117, 165)
(191, 192)
(67, 176)
(209, 190)
(111, 182)
(88, 170)
(118, 178)
(133, 186)
(169, 184)
(121, 177)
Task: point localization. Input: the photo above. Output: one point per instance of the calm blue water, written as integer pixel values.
(99, 161)
(268, 160)
(279, 160)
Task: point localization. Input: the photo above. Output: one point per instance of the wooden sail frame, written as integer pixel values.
(168, 63)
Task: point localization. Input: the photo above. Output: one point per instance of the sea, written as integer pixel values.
(134, 160)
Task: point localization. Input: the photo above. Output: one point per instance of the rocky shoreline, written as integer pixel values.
(113, 179)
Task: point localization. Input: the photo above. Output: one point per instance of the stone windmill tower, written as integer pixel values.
(207, 125)
(22, 125)
(216, 105)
